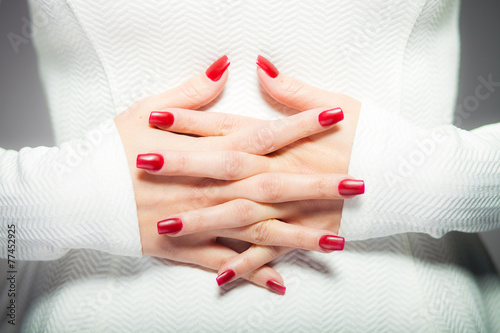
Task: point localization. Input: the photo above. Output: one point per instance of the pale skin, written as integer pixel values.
(245, 189)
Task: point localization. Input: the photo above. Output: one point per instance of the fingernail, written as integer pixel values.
(267, 67)
(215, 71)
(351, 187)
(331, 243)
(152, 162)
(169, 226)
(277, 287)
(161, 119)
(330, 117)
(225, 277)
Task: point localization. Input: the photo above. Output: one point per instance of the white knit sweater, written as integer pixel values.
(75, 204)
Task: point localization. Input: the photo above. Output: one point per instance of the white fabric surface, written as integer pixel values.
(429, 180)
(77, 196)
(399, 58)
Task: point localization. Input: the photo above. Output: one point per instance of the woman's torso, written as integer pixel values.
(98, 57)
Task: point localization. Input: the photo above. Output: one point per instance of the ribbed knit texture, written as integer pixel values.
(399, 58)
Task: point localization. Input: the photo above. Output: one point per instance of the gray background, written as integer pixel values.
(24, 119)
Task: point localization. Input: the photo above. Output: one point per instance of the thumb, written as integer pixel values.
(193, 94)
(294, 93)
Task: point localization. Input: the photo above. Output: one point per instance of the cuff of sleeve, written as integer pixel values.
(373, 150)
(76, 196)
(103, 204)
(114, 194)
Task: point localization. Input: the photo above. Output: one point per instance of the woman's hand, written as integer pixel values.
(160, 197)
(324, 153)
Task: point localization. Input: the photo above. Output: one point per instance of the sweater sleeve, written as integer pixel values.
(78, 195)
(422, 180)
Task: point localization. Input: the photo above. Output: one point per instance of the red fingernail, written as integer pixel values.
(225, 277)
(351, 187)
(215, 71)
(169, 226)
(267, 67)
(152, 162)
(277, 287)
(161, 119)
(330, 117)
(331, 243)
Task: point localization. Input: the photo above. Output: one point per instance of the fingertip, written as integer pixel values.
(225, 277)
(215, 77)
(276, 287)
(271, 279)
(161, 119)
(329, 243)
(350, 187)
(149, 162)
(268, 76)
(267, 67)
(217, 70)
(170, 227)
(330, 117)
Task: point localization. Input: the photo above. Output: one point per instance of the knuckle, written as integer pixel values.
(250, 265)
(224, 125)
(300, 240)
(325, 187)
(252, 276)
(192, 93)
(248, 262)
(261, 232)
(282, 124)
(232, 165)
(179, 163)
(197, 221)
(188, 121)
(270, 186)
(221, 261)
(306, 127)
(292, 89)
(264, 140)
(244, 210)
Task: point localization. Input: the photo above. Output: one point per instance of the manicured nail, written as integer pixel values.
(267, 67)
(152, 162)
(161, 119)
(330, 117)
(331, 243)
(169, 226)
(215, 71)
(351, 187)
(277, 287)
(225, 277)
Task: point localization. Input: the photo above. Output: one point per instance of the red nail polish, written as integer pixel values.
(152, 162)
(161, 119)
(275, 286)
(330, 117)
(331, 243)
(169, 226)
(351, 187)
(225, 277)
(267, 67)
(215, 71)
